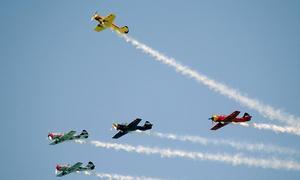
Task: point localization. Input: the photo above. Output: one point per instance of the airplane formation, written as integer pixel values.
(123, 128)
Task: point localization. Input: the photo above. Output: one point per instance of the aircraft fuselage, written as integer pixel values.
(221, 118)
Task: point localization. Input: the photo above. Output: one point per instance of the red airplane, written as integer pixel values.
(223, 120)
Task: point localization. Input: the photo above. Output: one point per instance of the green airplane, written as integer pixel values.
(57, 138)
(62, 170)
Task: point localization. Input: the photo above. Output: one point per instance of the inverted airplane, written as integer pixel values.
(107, 22)
(57, 138)
(62, 170)
(223, 120)
(133, 126)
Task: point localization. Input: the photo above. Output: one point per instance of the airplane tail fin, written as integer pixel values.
(84, 134)
(148, 125)
(124, 30)
(90, 165)
(246, 115)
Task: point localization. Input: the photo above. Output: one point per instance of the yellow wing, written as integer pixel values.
(109, 19)
(99, 28)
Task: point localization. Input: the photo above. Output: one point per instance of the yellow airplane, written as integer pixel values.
(107, 22)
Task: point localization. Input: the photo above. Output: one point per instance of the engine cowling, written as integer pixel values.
(58, 167)
(115, 126)
(52, 136)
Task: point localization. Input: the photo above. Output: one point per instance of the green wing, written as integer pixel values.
(75, 167)
(63, 173)
(68, 136)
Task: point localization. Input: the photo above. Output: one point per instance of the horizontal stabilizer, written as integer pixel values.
(84, 134)
(91, 165)
(246, 115)
(124, 30)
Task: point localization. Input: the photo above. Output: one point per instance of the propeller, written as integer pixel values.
(93, 17)
(115, 126)
(50, 136)
(212, 120)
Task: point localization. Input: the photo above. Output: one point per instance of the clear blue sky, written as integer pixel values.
(57, 74)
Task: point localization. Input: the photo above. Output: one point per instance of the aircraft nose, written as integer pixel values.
(58, 167)
(115, 126)
(50, 136)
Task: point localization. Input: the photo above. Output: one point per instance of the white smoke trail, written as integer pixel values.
(272, 127)
(264, 109)
(254, 147)
(80, 141)
(111, 176)
(236, 159)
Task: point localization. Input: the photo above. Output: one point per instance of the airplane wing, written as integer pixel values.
(218, 126)
(120, 134)
(75, 167)
(110, 18)
(68, 136)
(134, 123)
(231, 116)
(63, 173)
(99, 28)
(55, 142)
